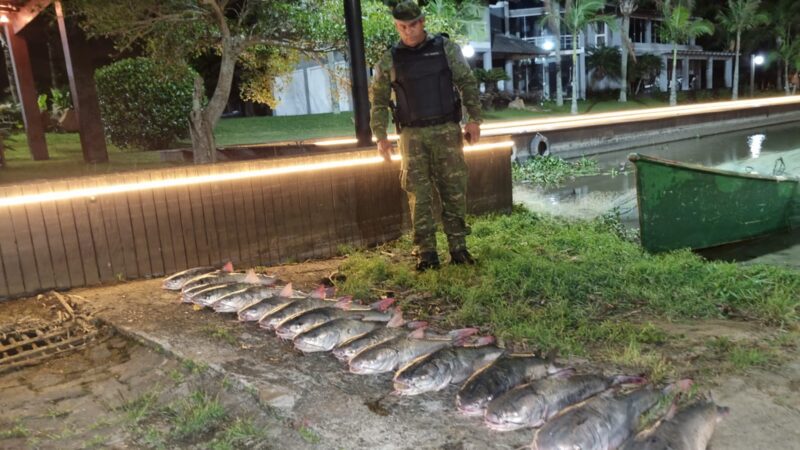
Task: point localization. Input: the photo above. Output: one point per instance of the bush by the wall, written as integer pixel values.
(144, 104)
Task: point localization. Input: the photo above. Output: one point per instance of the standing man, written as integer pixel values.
(428, 78)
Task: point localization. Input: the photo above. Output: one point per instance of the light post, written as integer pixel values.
(755, 60)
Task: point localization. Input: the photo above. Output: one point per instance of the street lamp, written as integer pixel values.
(468, 51)
(547, 45)
(755, 60)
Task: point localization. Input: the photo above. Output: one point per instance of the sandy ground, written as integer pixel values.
(342, 410)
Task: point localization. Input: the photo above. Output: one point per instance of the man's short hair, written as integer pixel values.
(407, 11)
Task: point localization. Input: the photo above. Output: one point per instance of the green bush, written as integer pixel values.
(144, 104)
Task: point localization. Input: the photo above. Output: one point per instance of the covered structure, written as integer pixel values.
(15, 16)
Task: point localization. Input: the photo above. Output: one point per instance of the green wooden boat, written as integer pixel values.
(686, 205)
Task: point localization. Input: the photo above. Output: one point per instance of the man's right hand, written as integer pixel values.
(385, 149)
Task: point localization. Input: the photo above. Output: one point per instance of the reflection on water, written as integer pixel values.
(757, 150)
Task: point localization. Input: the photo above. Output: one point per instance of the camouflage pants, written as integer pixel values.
(433, 162)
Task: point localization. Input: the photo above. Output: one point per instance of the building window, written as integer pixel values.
(638, 30)
(600, 35)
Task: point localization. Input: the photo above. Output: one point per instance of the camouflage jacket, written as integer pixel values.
(381, 89)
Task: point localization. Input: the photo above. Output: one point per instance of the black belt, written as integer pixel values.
(429, 122)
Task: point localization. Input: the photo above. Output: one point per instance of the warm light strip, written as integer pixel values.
(504, 127)
(632, 116)
(200, 179)
(349, 141)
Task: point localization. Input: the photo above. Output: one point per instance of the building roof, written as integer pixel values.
(514, 46)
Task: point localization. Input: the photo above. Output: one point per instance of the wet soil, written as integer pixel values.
(310, 401)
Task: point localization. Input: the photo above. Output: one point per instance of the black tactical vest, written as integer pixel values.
(423, 85)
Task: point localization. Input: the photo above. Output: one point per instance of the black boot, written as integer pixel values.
(427, 260)
(461, 256)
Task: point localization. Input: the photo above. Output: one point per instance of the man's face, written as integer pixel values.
(411, 33)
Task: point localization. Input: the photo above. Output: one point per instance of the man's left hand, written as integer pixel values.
(472, 131)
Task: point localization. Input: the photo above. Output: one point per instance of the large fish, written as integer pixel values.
(255, 312)
(304, 321)
(315, 300)
(350, 348)
(690, 429)
(532, 404)
(235, 301)
(505, 373)
(325, 337)
(217, 277)
(211, 294)
(175, 281)
(388, 356)
(443, 367)
(602, 422)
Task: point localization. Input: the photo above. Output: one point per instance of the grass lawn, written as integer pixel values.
(580, 288)
(66, 158)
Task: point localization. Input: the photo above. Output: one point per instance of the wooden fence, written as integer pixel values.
(261, 220)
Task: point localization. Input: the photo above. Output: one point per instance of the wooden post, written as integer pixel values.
(23, 74)
(84, 92)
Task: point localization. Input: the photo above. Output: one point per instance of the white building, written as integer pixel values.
(511, 35)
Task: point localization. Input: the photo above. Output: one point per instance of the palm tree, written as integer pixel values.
(553, 19)
(680, 28)
(578, 14)
(626, 8)
(740, 15)
(605, 62)
(786, 25)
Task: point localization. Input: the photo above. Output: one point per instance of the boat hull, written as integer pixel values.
(684, 205)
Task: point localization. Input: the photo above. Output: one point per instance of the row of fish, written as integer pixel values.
(569, 410)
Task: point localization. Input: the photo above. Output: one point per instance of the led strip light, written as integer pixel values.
(200, 179)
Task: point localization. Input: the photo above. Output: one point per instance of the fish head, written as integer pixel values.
(314, 340)
(722, 411)
(417, 379)
(374, 360)
(505, 420)
(470, 408)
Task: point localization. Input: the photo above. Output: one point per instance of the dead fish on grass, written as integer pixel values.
(505, 373)
(326, 336)
(602, 422)
(235, 301)
(689, 429)
(443, 367)
(532, 404)
(255, 312)
(304, 321)
(348, 349)
(388, 356)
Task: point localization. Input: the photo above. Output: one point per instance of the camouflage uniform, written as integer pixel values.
(433, 156)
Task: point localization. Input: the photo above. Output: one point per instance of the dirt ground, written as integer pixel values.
(104, 396)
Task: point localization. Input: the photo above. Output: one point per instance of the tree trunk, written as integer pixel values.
(673, 92)
(554, 24)
(574, 108)
(623, 92)
(786, 79)
(203, 146)
(203, 120)
(559, 83)
(12, 83)
(735, 94)
(51, 63)
(334, 85)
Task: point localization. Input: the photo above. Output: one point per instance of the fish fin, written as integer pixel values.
(462, 333)
(251, 277)
(396, 320)
(344, 302)
(485, 340)
(228, 267)
(383, 304)
(679, 386)
(419, 333)
(416, 324)
(319, 292)
(287, 291)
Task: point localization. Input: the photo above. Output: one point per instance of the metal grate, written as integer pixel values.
(35, 343)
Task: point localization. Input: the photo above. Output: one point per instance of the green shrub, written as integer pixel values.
(144, 104)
